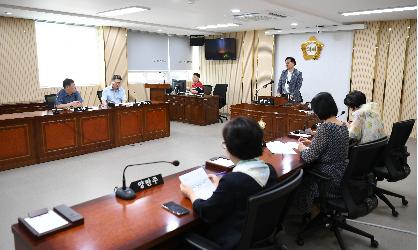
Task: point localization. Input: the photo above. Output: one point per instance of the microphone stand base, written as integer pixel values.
(127, 194)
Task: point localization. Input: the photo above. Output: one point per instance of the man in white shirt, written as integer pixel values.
(291, 81)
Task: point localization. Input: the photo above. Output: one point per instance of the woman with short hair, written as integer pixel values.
(327, 153)
(225, 211)
(367, 125)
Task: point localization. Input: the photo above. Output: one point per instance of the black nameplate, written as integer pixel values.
(147, 183)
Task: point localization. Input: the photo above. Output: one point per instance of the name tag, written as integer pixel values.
(147, 183)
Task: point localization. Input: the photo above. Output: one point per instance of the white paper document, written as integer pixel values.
(46, 222)
(223, 162)
(199, 181)
(278, 147)
(292, 144)
(300, 135)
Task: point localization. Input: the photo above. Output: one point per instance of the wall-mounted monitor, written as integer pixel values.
(220, 49)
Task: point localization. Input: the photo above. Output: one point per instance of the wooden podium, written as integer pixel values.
(157, 91)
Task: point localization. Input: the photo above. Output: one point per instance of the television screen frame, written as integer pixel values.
(214, 47)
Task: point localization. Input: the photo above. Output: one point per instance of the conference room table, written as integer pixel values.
(112, 223)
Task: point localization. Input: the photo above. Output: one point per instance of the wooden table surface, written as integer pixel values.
(111, 223)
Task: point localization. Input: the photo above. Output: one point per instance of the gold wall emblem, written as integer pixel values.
(261, 123)
(312, 49)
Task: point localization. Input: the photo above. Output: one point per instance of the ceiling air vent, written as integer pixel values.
(253, 17)
(278, 15)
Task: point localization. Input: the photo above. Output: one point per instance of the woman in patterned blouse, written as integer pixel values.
(327, 153)
(367, 125)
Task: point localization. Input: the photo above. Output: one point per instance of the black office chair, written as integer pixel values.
(220, 90)
(50, 100)
(207, 89)
(265, 213)
(99, 95)
(358, 198)
(395, 166)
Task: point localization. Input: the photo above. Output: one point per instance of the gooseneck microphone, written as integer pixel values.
(127, 193)
(342, 112)
(267, 84)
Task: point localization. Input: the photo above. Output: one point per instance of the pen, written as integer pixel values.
(221, 173)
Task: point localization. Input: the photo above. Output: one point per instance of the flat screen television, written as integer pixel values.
(220, 49)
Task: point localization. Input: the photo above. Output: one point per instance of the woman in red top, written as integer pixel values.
(197, 86)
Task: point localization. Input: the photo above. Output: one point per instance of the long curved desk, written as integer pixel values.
(111, 223)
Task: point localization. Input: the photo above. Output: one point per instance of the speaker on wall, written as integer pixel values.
(197, 40)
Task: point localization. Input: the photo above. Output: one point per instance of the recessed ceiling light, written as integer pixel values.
(235, 11)
(217, 26)
(378, 11)
(294, 24)
(8, 13)
(123, 11)
(159, 30)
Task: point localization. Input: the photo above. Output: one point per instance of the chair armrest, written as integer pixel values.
(200, 242)
(324, 179)
(321, 176)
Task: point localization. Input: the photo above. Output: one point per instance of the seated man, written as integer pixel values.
(68, 96)
(114, 93)
(197, 86)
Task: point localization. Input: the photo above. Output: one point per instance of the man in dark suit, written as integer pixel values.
(291, 81)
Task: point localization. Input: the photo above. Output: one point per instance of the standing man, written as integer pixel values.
(68, 96)
(114, 93)
(197, 86)
(291, 81)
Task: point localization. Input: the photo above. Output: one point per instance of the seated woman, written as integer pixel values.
(367, 125)
(327, 153)
(225, 210)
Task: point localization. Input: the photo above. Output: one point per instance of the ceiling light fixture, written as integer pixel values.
(124, 11)
(159, 30)
(217, 26)
(294, 24)
(235, 11)
(378, 11)
(8, 13)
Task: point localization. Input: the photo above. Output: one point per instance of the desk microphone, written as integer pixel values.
(267, 84)
(126, 193)
(342, 112)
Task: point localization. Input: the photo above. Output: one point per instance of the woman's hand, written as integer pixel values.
(305, 141)
(214, 179)
(301, 147)
(188, 192)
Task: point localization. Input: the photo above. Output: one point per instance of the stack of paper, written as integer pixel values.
(223, 162)
(199, 181)
(46, 222)
(278, 147)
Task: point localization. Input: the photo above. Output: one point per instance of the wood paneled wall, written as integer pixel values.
(384, 68)
(252, 69)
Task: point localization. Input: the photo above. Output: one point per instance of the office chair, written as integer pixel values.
(220, 90)
(265, 213)
(358, 198)
(207, 89)
(99, 95)
(50, 100)
(395, 166)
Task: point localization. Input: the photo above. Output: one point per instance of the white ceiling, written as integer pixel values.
(183, 16)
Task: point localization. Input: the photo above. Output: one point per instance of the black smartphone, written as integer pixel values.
(175, 208)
